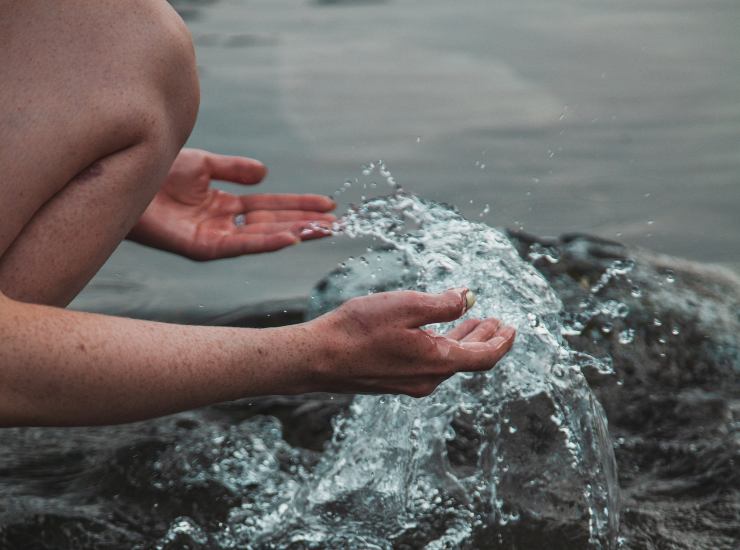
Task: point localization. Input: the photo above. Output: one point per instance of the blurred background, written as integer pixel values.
(619, 119)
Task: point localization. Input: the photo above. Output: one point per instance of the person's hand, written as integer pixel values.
(374, 344)
(190, 218)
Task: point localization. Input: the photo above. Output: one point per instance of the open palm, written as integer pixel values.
(192, 219)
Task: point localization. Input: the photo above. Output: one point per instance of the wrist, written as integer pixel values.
(322, 356)
(292, 360)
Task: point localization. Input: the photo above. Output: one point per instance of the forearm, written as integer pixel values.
(59, 367)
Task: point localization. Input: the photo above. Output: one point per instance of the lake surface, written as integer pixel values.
(616, 119)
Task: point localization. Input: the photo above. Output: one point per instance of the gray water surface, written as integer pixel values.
(617, 119)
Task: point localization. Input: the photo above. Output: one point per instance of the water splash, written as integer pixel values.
(525, 444)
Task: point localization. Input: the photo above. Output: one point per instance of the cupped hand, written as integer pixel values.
(376, 344)
(190, 218)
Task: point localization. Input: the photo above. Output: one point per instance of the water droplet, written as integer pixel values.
(636, 292)
(657, 322)
(627, 336)
(675, 331)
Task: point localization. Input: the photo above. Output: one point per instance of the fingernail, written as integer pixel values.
(463, 293)
(468, 297)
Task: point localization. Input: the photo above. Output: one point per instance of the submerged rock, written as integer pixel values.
(673, 402)
(669, 329)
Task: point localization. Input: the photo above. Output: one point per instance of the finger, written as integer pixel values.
(275, 201)
(230, 246)
(480, 356)
(297, 228)
(463, 329)
(241, 170)
(257, 216)
(485, 330)
(314, 231)
(415, 309)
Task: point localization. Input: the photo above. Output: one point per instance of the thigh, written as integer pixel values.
(96, 100)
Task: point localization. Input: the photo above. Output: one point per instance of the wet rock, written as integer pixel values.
(673, 403)
(670, 330)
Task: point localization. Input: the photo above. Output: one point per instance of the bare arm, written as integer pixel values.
(68, 368)
(59, 367)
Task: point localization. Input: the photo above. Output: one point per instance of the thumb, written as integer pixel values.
(423, 309)
(240, 170)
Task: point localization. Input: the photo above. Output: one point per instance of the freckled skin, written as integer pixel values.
(96, 102)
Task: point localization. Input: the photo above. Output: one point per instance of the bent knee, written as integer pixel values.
(175, 73)
(167, 66)
(148, 85)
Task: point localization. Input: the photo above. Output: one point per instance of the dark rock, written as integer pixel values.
(670, 329)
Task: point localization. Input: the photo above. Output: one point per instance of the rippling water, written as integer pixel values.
(615, 119)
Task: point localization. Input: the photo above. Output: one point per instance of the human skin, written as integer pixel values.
(96, 102)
